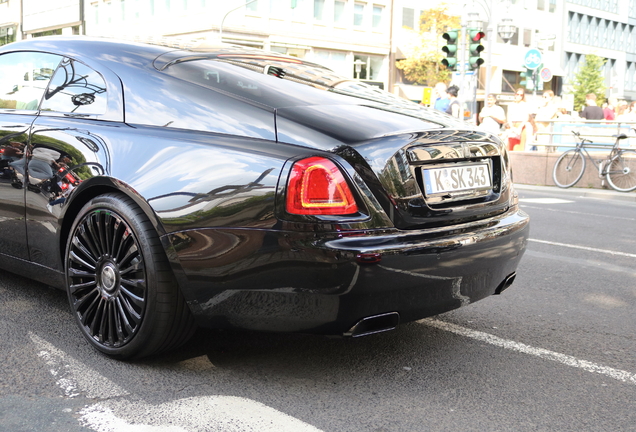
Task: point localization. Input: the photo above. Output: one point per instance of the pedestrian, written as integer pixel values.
(442, 101)
(454, 108)
(609, 112)
(547, 112)
(517, 117)
(492, 116)
(591, 110)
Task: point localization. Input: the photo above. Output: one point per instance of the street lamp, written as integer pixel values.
(506, 30)
(229, 12)
(358, 67)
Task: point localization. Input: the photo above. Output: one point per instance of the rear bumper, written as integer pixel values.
(286, 281)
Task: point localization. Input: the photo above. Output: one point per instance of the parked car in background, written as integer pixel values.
(165, 188)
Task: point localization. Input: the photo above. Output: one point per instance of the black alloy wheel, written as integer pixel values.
(119, 283)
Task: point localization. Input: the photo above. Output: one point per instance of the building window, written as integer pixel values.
(319, 7)
(367, 67)
(338, 11)
(510, 81)
(358, 14)
(552, 8)
(408, 16)
(7, 35)
(541, 5)
(377, 16)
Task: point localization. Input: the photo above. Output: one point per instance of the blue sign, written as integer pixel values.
(533, 59)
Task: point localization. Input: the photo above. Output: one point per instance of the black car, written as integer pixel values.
(226, 187)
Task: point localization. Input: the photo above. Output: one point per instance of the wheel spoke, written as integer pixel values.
(568, 169)
(135, 266)
(85, 237)
(139, 284)
(131, 253)
(621, 174)
(97, 321)
(82, 286)
(81, 262)
(77, 273)
(120, 318)
(118, 234)
(88, 312)
(125, 310)
(110, 314)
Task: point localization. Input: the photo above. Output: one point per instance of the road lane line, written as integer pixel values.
(565, 359)
(74, 377)
(199, 413)
(576, 212)
(605, 251)
(116, 414)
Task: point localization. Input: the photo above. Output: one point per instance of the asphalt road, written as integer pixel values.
(555, 352)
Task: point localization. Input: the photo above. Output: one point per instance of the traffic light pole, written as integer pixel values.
(463, 47)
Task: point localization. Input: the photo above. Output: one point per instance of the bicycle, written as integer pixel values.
(619, 168)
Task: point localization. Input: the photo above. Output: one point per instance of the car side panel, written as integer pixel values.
(14, 133)
(184, 179)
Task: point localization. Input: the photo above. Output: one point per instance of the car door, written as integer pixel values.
(24, 77)
(69, 144)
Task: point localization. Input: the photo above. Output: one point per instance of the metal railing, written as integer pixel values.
(557, 136)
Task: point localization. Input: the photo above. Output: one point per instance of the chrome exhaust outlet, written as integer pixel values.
(374, 324)
(506, 283)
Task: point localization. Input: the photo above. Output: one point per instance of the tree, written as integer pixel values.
(424, 53)
(589, 79)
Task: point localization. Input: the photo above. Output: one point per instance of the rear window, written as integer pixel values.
(252, 82)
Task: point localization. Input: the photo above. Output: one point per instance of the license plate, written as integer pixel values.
(464, 177)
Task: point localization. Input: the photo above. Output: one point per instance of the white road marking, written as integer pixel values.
(74, 377)
(545, 200)
(197, 414)
(579, 213)
(568, 360)
(605, 251)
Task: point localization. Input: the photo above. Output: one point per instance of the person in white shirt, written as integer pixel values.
(492, 116)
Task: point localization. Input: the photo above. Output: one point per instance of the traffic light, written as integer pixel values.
(475, 48)
(450, 49)
(527, 78)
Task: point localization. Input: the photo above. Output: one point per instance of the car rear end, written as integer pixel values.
(384, 212)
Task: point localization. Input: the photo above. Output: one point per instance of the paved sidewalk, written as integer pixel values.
(608, 194)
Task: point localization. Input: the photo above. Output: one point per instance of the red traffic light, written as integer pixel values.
(476, 35)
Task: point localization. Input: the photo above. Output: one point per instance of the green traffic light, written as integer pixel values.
(450, 63)
(450, 49)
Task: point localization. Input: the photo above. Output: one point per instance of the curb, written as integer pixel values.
(582, 192)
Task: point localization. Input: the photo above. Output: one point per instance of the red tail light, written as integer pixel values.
(317, 187)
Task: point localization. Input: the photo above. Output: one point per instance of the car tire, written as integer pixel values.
(120, 286)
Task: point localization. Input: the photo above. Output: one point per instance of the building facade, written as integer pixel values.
(606, 28)
(361, 38)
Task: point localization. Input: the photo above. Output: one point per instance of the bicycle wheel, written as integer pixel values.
(621, 172)
(568, 169)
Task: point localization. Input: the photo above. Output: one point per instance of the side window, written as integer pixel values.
(76, 88)
(23, 79)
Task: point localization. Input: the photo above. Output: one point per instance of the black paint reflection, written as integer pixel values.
(14, 133)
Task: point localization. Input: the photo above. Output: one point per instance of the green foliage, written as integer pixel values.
(589, 79)
(424, 71)
(423, 64)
